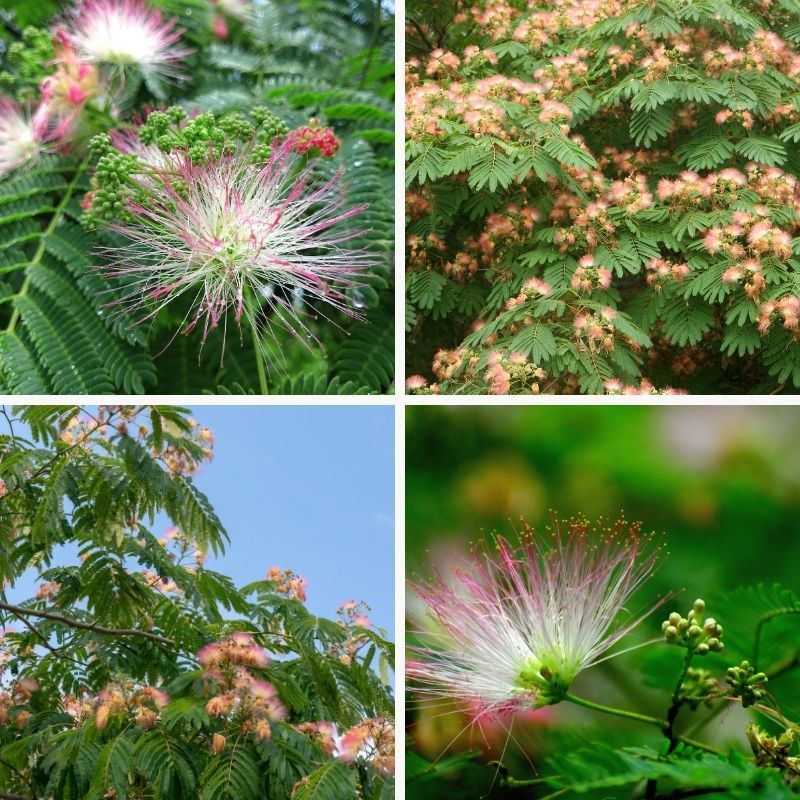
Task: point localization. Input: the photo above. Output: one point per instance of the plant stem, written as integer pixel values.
(37, 256)
(262, 375)
(780, 612)
(672, 713)
(676, 699)
(663, 725)
(517, 783)
(616, 712)
(19, 611)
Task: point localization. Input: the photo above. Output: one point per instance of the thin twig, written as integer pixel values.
(45, 643)
(85, 626)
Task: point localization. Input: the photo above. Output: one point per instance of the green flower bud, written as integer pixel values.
(699, 607)
(701, 649)
(674, 618)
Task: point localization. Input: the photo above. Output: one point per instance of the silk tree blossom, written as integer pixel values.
(235, 236)
(520, 623)
(125, 33)
(22, 136)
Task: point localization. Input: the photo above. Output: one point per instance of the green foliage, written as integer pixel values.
(119, 699)
(603, 768)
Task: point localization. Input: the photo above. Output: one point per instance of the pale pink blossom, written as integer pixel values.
(240, 238)
(125, 33)
(521, 622)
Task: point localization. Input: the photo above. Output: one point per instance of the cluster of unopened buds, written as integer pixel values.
(700, 637)
(288, 583)
(786, 311)
(588, 277)
(661, 272)
(314, 137)
(595, 330)
(747, 683)
(697, 688)
(372, 740)
(117, 700)
(13, 702)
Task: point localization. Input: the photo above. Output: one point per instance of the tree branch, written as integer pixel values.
(84, 626)
(9, 796)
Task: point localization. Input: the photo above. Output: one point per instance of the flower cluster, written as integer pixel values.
(614, 386)
(119, 701)
(13, 703)
(323, 734)
(313, 138)
(288, 583)
(232, 234)
(92, 44)
(353, 617)
(242, 697)
(372, 740)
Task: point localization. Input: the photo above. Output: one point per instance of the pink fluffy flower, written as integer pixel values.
(372, 740)
(240, 237)
(22, 137)
(415, 382)
(125, 33)
(520, 623)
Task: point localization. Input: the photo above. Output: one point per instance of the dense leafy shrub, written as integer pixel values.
(137, 672)
(95, 297)
(603, 196)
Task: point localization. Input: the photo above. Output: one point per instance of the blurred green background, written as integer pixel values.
(720, 484)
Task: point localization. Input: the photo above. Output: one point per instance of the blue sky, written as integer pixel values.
(309, 488)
